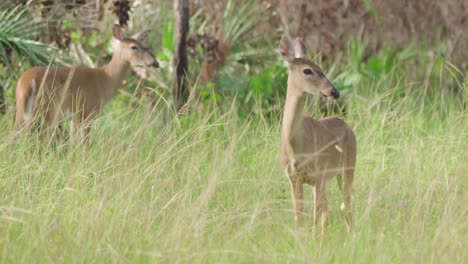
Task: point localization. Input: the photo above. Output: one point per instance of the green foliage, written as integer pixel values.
(19, 32)
(375, 67)
(241, 19)
(241, 23)
(167, 39)
(269, 83)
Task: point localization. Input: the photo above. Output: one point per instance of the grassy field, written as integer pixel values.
(208, 188)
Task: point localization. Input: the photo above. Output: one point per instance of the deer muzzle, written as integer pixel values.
(332, 92)
(155, 64)
(335, 93)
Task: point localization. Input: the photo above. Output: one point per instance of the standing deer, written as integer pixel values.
(50, 92)
(313, 151)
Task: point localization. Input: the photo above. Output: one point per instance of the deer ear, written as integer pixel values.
(286, 49)
(117, 32)
(300, 50)
(142, 36)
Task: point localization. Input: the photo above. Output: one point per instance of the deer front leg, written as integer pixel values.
(297, 194)
(84, 123)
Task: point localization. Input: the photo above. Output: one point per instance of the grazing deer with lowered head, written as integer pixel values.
(49, 92)
(313, 151)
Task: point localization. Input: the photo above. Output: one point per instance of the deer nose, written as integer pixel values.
(155, 64)
(335, 93)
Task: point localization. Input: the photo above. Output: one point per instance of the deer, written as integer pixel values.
(51, 92)
(313, 151)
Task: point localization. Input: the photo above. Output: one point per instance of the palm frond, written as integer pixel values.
(243, 21)
(19, 33)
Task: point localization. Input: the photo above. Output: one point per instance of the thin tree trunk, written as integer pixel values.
(181, 28)
(8, 68)
(2, 100)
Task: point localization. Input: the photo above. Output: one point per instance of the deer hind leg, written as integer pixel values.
(339, 180)
(320, 212)
(297, 193)
(25, 107)
(19, 118)
(348, 171)
(45, 126)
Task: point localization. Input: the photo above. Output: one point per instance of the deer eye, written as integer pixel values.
(134, 47)
(308, 71)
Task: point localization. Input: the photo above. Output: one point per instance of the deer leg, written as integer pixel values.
(348, 172)
(297, 193)
(46, 126)
(75, 128)
(85, 121)
(19, 117)
(348, 197)
(320, 204)
(62, 132)
(339, 180)
(20, 123)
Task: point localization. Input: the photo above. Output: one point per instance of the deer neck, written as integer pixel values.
(292, 117)
(115, 72)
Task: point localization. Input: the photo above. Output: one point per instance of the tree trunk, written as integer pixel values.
(9, 71)
(2, 100)
(181, 28)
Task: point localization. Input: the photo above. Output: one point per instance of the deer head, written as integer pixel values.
(132, 50)
(304, 75)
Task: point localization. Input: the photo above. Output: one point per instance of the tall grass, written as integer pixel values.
(209, 188)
